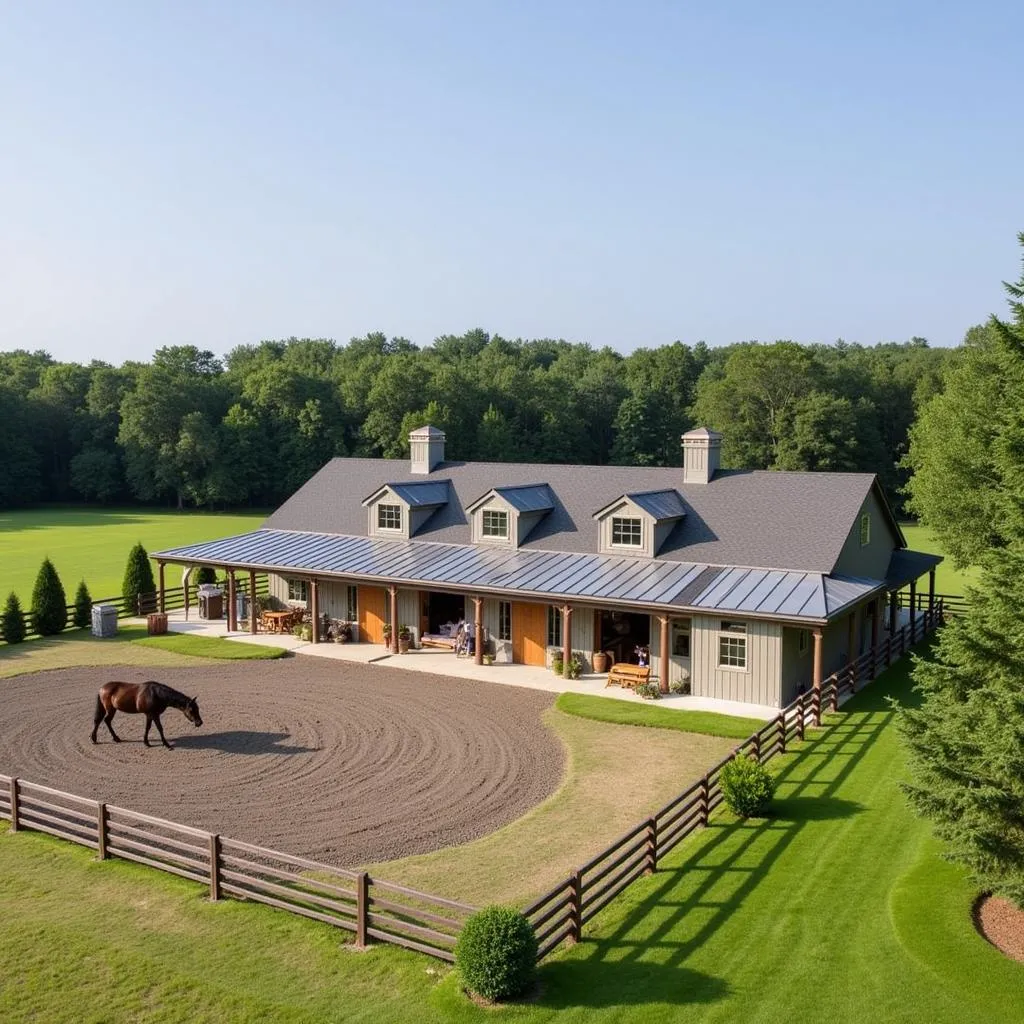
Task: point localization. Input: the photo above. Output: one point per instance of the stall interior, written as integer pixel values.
(440, 615)
(626, 636)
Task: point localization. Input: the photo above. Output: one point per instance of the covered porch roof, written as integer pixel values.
(689, 587)
(906, 566)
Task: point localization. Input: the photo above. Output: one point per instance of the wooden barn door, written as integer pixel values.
(529, 633)
(372, 602)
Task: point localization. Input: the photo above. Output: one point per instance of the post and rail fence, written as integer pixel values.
(174, 599)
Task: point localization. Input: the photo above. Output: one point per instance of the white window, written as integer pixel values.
(627, 532)
(554, 626)
(389, 517)
(732, 645)
(865, 529)
(494, 523)
(504, 620)
(298, 590)
(804, 641)
(352, 610)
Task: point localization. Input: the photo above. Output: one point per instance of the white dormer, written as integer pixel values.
(638, 524)
(505, 516)
(398, 511)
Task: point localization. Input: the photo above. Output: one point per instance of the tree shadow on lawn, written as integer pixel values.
(242, 741)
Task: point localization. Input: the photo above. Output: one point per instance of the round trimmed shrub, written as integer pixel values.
(83, 606)
(49, 602)
(497, 953)
(12, 622)
(206, 574)
(747, 787)
(138, 578)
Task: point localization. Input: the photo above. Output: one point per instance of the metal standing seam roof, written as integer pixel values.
(661, 505)
(523, 497)
(552, 574)
(419, 495)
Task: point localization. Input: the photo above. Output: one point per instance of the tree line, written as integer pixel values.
(190, 428)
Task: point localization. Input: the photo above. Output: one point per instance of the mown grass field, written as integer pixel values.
(838, 908)
(948, 579)
(93, 544)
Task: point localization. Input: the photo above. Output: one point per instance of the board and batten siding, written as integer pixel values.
(759, 683)
(676, 665)
(869, 560)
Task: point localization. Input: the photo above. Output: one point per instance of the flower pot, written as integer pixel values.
(403, 645)
(601, 661)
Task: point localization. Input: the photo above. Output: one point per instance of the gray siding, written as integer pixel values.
(759, 683)
(797, 668)
(676, 665)
(872, 560)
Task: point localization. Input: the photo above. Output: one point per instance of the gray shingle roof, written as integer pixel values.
(770, 520)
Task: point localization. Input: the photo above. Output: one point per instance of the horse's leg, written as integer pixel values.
(97, 717)
(108, 718)
(149, 722)
(160, 729)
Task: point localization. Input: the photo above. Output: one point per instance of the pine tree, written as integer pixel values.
(206, 574)
(83, 606)
(138, 578)
(49, 602)
(12, 623)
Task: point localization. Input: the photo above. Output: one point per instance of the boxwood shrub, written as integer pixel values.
(497, 953)
(747, 787)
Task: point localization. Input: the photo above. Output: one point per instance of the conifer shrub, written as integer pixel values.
(497, 953)
(138, 578)
(206, 574)
(12, 622)
(747, 787)
(49, 602)
(83, 606)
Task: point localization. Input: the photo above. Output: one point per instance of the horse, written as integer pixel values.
(151, 699)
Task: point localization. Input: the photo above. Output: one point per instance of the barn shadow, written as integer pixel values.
(242, 741)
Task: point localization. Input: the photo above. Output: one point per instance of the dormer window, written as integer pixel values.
(389, 517)
(627, 532)
(494, 523)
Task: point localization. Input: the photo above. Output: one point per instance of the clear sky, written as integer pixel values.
(618, 173)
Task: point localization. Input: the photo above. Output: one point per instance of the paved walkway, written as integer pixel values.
(447, 664)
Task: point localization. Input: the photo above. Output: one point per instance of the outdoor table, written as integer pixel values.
(277, 620)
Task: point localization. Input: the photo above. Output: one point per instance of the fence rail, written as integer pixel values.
(371, 908)
(174, 599)
(559, 915)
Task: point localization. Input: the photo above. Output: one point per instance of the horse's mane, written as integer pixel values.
(175, 698)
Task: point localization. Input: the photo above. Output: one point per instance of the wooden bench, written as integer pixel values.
(624, 674)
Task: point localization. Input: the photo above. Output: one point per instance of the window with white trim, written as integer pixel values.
(627, 532)
(504, 620)
(865, 529)
(554, 626)
(298, 590)
(389, 517)
(494, 523)
(352, 604)
(732, 645)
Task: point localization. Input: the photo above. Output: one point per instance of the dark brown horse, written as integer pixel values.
(151, 699)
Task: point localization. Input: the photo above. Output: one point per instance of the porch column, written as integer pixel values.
(161, 606)
(913, 607)
(818, 657)
(252, 601)
(664, 623)
(892, 614)
(393, 593)
(232, 603)
(851, 637)
(566, 634)
(875, 610)
(478, 630)
(931, 592)
(314, 603)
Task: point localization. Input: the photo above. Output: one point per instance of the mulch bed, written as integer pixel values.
(1002, 924)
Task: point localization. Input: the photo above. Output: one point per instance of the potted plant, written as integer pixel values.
(557, 663)
(387, 634)
(601, 660)
(573, 669)
(342, 633)
(488, 659)
(404, 637)
(306, 631)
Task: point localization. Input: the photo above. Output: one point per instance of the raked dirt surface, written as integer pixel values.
(342, 764)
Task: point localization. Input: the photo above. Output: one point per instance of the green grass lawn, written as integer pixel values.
(948, 579)
(627, 713)
(93, 544)
(209, 647)
(836, 909)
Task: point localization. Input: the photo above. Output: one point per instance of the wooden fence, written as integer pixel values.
(174, 598)
(369, 907)
(559, 915)
(953, 604)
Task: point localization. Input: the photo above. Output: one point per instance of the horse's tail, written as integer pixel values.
(100, 711)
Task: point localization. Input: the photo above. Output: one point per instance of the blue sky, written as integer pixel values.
(617, 173)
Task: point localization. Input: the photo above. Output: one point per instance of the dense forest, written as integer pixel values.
(189, 428)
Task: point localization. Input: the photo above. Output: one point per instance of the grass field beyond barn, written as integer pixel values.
(93, 544)
(948, 579)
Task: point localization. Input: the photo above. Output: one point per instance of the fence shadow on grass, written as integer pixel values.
(242, 741)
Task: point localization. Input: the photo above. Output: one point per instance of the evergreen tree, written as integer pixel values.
(206, 574)
(12, 623)
(49, 602)
(83, 606)
(138, 577)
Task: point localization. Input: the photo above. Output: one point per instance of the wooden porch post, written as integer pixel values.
(478, 630)
(232, 603)
(566, 634)
(892, 614)
(874, 623)
(851, 637)
(664, 623)
(314, 603)
(913, 607)
(931, 592)
(161, 606)
(252, 601)
(393, 593)
(818, 657)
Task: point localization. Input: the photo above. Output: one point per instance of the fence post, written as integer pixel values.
(214, 866)
(704, 800)
(782, 732)
(362, 911)
(835, 695)
(101, 829)
(888, 650)
(575, 906)
(816, 706)
(757, 746)
(14, 805)
(800, 717)
(652, 847)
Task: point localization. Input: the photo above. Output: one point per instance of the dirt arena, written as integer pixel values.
(341, 762)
